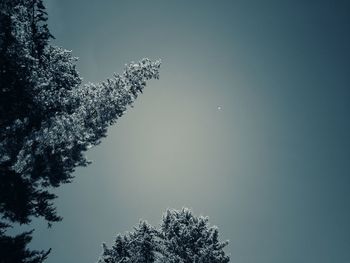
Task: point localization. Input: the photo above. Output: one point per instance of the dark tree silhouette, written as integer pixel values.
(14, 249)
(48, 119)
(181, 238)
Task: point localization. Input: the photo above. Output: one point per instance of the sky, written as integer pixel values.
(248, 124)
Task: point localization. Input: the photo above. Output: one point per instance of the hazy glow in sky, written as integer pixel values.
(248, 124)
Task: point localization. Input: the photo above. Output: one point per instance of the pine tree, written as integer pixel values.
(120, 251)
(48, 119)
(143, 244)
(138, 246)
(181, 238)
(14, 249)
(191, 238)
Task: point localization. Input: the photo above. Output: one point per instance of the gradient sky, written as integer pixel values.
(270, 168)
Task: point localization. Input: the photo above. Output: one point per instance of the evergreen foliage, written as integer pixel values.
(181, 238)
(48, 119)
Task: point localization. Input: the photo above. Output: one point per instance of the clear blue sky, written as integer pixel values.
(271, 168)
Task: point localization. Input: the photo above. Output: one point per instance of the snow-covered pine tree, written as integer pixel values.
(143, 243)
(191, 239)
(180, 238)
(120, 251)
(48, 119)
(138, 246)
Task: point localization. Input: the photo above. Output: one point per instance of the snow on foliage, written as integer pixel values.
(81, 117)
(72, 117)
(180, 238)
(48, 119)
